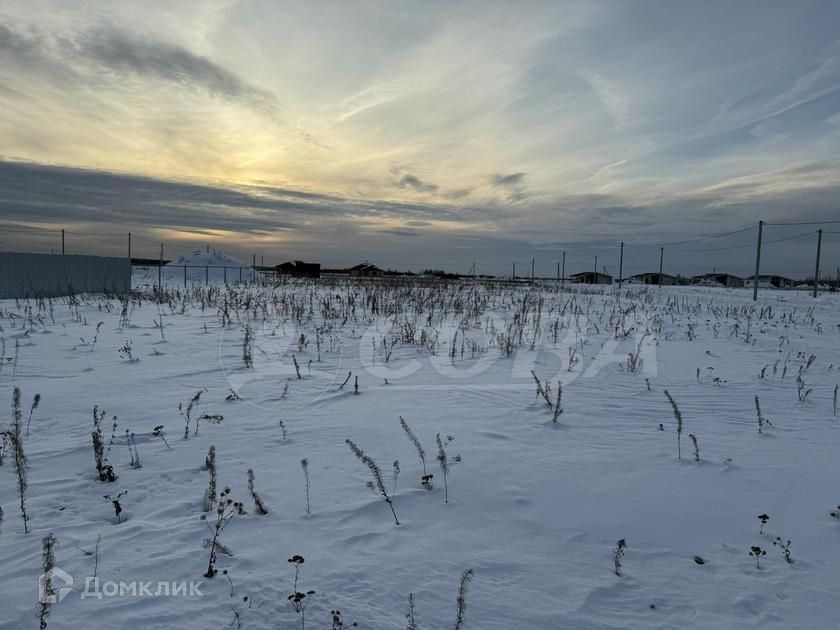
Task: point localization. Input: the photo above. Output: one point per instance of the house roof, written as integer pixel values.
(652, 273)
(586, 273)
(767, 276)
(715, 275)
(365, 267)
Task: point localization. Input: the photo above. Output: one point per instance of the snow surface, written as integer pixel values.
(535, 508)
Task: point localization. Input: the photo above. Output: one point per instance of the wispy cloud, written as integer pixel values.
(368, 99)
(123, 53)
(414, 182)
(598, 120)
(610, 95)
(511, 179)
(113, 54)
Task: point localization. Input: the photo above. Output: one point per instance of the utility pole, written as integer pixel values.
(513, 277)
(129, 247)
(757, 260)
(595, 277)
(558, 270)
(532, 270)
(563, 273)
(661, 255)
(62, 241)
(621, 264)
(160, 269)
(817, 270)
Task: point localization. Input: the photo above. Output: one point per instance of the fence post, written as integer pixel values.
(563, 274)
(621, 264)
(206, 275)
(757, 260)
(62, 241)
(661, 255)
(129, 247)
(532, 270)
(595, 277)
(160, 269)
(185, 275)
(240, 275)
(817, 270)
(513, 277)
(225, 272)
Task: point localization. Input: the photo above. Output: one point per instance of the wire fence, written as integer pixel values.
(191, 275)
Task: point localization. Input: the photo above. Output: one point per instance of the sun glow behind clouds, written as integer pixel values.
(218, 236)
(530, 120)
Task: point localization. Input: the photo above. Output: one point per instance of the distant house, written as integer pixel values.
(766, 281)
(718, 279)
(653, 278)
(299, 269)
(366, 270)
(591, 277)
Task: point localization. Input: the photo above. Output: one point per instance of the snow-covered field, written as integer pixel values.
(535, 507)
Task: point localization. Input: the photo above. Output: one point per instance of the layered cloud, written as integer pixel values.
(475, 130)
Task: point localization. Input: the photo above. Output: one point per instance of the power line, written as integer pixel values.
(28, 229)
(807, 223)
(695, 240)
(790, 238)
(93, 238)
(589, 254)
(720, 249)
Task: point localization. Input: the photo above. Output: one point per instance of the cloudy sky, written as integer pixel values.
(424, 134)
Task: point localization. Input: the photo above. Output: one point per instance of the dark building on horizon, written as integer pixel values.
(722, 279)
(299, 269)
(366, 270)
(653, 278)
(591, 277)
(770, 281)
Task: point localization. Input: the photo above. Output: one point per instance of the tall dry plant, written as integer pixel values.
(35, 402)
(14, 437)
(377, 484)
(461, 616)
(426, 479)
(304, 464)
(678, 417)
(47, 593)
(210, 493)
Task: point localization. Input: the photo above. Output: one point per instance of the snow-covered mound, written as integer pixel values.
(197, 267)
(201, 259)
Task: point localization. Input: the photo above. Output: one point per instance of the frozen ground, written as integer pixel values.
(535, 508)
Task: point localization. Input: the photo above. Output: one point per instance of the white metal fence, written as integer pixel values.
(49, 275)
